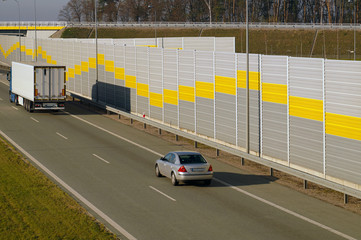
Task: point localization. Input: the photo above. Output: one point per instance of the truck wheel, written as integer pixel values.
(31, 106)
(10, 97)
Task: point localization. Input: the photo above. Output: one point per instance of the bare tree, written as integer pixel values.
(76, 9)
(88, 10)
(209, 6)
(307, 11)
(65, 14)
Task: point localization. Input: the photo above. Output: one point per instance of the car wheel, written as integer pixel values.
(174, 179)
(157, 172)
(207, 182)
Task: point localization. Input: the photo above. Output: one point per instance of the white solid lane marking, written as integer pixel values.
(71, 190)
(165, 195)
(286, 210)
(100, 158)
(14, 108)
(233, 187)
(62, 136)
(5, 83)
(34, 119)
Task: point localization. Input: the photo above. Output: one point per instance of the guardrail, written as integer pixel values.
(32, 24)
(216, 25)
(189, 25)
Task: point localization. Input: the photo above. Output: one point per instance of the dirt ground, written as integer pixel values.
(314, 190)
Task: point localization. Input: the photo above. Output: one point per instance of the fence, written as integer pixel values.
(304, 112)
(272, 25)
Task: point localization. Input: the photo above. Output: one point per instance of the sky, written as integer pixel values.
(46, 10)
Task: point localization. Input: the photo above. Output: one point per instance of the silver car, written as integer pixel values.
(184, 166)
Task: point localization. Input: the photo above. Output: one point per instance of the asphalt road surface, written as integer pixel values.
(109, 168)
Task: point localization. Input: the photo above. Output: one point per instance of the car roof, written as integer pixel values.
(186, 153)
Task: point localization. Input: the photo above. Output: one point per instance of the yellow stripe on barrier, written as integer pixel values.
(29, 52)
(130, 81)
(40, 51)
(253, 80)
(119, 73)
(10, 28)
(92, 63)
(71, 73)
(77, 69)
(101, 59)
(153, 46)
(226, 85)
(205, 90)
(84, 66)
(48, 59)
(44, 28)
(2, 50)
(143, 89)
(156, 100)
(275, 93)
(343, 126)
(186, 93)
(31, 28)
(109, 66)
(306, 108)
(170, 96)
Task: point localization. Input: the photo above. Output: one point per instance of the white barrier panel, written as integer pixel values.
(304, 113)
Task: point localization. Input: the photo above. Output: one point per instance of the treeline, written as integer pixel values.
(272, 11)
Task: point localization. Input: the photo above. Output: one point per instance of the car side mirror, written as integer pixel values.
(163, 159)
(8, 76)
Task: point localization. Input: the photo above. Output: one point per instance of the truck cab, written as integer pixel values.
(11, 95)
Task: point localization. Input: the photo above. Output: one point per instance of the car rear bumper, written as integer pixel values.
(194, 177)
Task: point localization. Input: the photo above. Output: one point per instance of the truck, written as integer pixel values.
(37, 86)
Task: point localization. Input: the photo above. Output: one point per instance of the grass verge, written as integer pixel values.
(329, 43)
(32, 207)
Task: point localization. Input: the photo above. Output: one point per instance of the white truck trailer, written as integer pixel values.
(38, 86)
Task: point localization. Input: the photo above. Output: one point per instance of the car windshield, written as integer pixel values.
(195, 158)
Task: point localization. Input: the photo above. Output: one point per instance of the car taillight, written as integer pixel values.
(37, 105)
(210, 169)
(61, 104)
(182, 169)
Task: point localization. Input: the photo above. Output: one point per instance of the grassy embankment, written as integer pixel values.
(290, 42)
(32, 207)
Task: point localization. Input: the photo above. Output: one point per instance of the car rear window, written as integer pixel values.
(185, 159)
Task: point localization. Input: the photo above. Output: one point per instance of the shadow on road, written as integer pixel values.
(102, 94)
(234, 179)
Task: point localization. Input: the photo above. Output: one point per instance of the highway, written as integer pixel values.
(109, 168)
